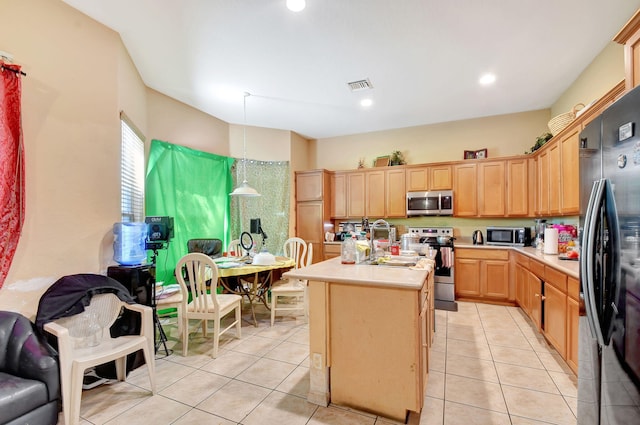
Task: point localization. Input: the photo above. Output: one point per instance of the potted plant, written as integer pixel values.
(397, 158)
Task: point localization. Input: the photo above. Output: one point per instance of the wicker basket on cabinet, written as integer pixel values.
(560, 122)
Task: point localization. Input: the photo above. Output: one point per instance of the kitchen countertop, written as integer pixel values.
(571, 268)
(333, 270)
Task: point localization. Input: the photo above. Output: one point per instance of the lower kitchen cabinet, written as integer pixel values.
(573, 316)
(555, 317)
(534, 285)
(331, 250)
(551, 300)
(482, 274)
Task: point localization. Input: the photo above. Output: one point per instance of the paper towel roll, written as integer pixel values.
(550, 240)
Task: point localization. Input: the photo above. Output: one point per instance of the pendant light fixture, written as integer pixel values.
(244, 189)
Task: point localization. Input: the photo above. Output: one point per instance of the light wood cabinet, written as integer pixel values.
(532, 164)
(440, 177)
(573, 316)
(431, 177)
(312, 208)
(309, 225)
(467, 278)
(482, 274)
(338, 195)
(391, 377)
(544, 186)
(465, 190)
(309, 186)
(522, 288)
(554, 178)
(555, 317)
(570, 172)
(535, 299)
(395, 193)
(331, 250)
(375, 193)
(491, 189)
(356, 206)
(629, 36)
(518, 187)
(417, 178)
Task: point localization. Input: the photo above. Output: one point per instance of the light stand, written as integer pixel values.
(154, 247)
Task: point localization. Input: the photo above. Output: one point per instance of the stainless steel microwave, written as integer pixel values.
(430, 203)
(514, 236)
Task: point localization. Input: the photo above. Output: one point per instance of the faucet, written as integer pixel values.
(379, 224)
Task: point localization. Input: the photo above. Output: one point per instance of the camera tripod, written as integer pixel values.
(159, 336)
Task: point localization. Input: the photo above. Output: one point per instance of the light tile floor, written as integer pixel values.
(488, 366)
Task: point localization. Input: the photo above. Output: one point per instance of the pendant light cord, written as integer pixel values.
(244, 136)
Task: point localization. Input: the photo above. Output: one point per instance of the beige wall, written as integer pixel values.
(175, 122)
(604, 72)
(70, 110)
(502, 135)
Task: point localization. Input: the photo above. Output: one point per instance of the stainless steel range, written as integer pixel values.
(444, 286)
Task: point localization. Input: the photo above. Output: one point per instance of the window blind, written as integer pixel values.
(131, 173)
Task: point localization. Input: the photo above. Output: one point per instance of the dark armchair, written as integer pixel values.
(29, 374)
(210, 247)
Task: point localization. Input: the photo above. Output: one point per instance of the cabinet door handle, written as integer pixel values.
(542, 298)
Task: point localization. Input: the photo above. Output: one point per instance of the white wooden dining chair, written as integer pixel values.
(293, 291)
(84, 341)
(204, 306)
(236, 248)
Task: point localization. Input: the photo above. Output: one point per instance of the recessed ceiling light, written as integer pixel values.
(296, 5)
(487, 79)
(365, 103)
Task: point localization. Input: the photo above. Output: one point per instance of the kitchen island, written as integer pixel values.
(370, 330)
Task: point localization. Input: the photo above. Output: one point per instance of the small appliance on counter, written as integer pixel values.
(509, 236)
(478, 238)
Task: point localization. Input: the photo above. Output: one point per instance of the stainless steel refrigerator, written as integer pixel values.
(609, 330)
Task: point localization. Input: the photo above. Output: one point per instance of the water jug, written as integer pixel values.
(348, 251)
(129, 248)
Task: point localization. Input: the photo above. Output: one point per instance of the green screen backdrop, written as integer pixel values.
(192, 187)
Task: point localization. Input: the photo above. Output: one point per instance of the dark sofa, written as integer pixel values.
(29, 374)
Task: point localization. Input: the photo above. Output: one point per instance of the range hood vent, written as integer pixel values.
(360, 85)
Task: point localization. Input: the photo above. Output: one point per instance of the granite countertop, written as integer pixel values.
(571, 268)
(333, 270)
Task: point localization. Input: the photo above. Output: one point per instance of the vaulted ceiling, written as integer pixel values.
(423, 58)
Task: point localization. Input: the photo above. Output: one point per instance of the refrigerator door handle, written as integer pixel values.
(595, 203)
(586, 248)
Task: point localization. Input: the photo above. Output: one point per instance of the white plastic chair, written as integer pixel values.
(84, 341)
(302, 252)
(234, 246)
(204, 306)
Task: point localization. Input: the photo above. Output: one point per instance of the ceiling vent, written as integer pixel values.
(360, 85)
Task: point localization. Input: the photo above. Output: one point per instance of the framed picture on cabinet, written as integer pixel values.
(382, 161)
(482, 153)
(469, 155)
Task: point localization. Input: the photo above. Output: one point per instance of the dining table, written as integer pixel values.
(253, 281)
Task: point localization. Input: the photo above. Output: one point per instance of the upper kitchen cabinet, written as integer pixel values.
(465, 189)
(558, 174)
(311, 185)
(338, 195)
(518, 187)
(432, 177)
(570, 173)
(375, 197)
(491, 189)
(356, 202)
(395, 193)
(386, 193)
(312, 207)
(629, 36)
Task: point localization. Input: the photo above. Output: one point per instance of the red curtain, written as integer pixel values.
(11, 166)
